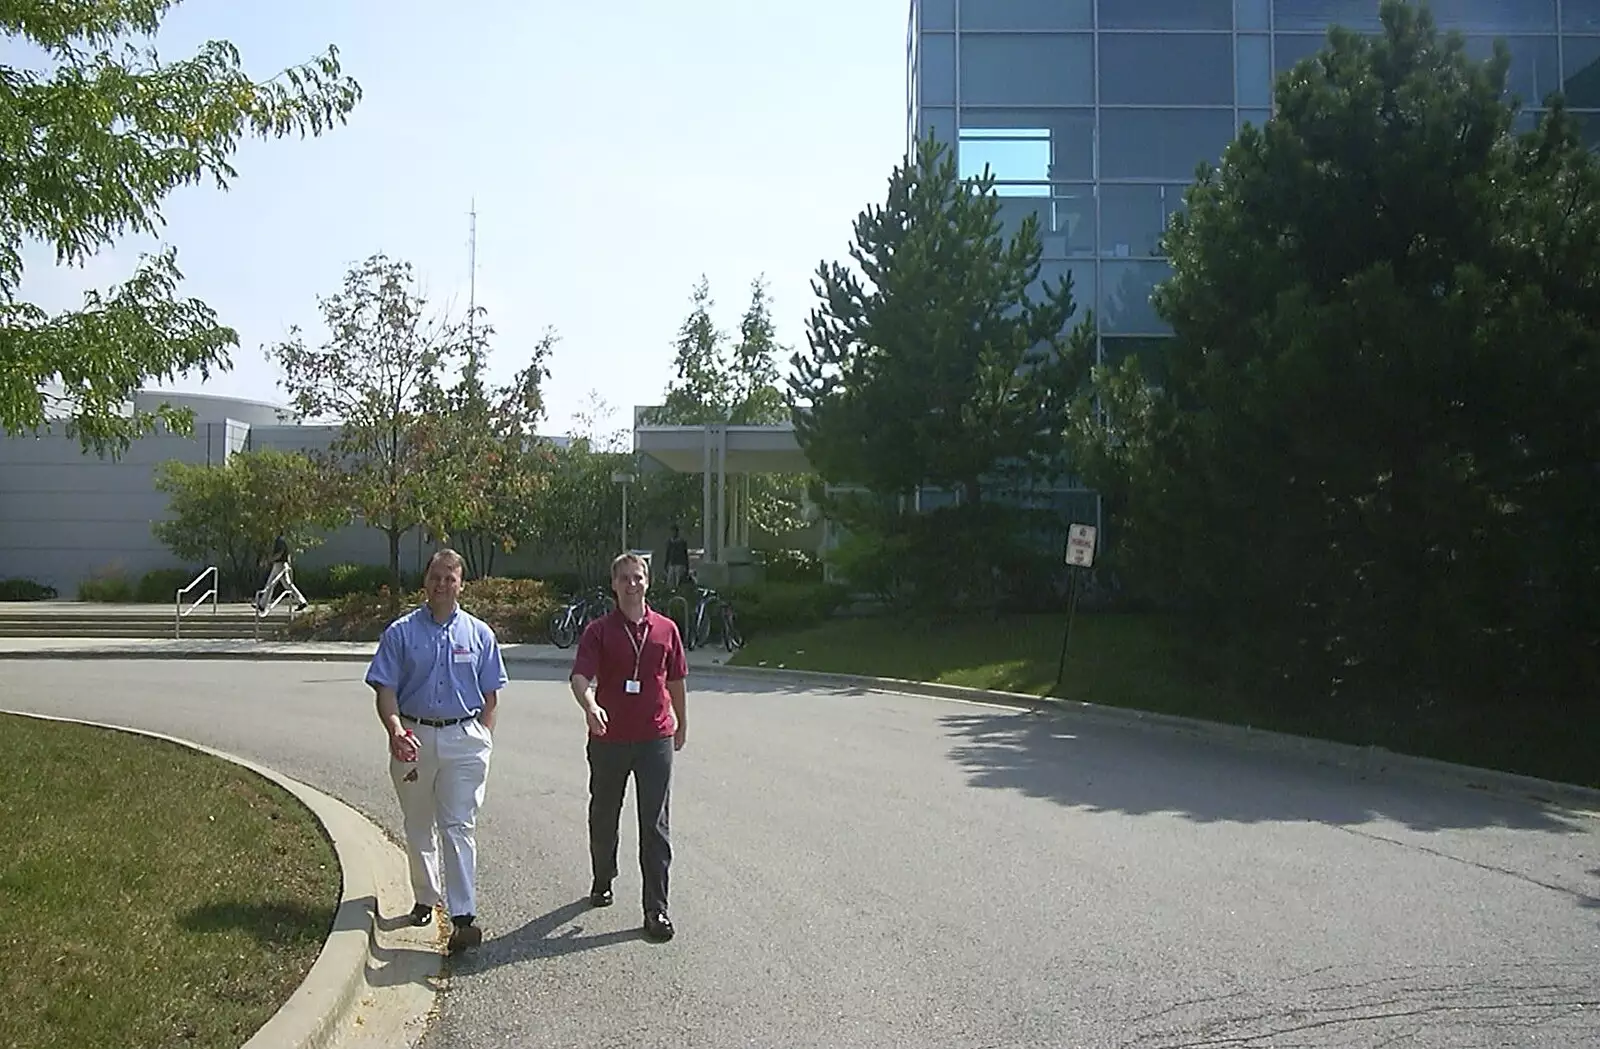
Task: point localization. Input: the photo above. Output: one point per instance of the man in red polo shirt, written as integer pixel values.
(628, 676)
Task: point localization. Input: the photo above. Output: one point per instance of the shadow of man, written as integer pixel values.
(539, 939)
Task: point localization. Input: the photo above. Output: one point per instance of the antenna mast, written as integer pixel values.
(472, 269)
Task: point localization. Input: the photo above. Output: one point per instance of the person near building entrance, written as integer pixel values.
(438, 673)
(677, 559)
(629, 678)
(281, 572)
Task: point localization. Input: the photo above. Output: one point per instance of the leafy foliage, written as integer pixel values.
(92, 147)
(940, 359)
(491, 435)
(717, 380)
(519, 610)
(380, 374)
(25, 590)
(1371, 455)
(229, 515)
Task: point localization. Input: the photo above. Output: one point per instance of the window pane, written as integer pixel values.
(1255, 71)
(1125, 297)
(1166, 14)
(1051, 271)
(1152, 69)
(1582, 86)
(1020, 155)
(1253, 14)
(1133, 218)
(937, 68)
(1496, 16)
(1287, 51)
(1258, 117)
(938, 14)
(1071, 135)
(942, 122)
(1534, 71)
(1038, 70)
(1027, 14)
(1319, 14)
(1161, 143)
(1072, 211)
(1580, 16)
(1066, 223)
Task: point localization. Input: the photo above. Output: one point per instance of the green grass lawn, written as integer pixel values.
(1136, 661)
(154, 896)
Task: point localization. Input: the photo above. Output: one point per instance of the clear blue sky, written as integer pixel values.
(616, 152)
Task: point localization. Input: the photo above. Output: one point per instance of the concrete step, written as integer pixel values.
(272, 631)
(68, 618)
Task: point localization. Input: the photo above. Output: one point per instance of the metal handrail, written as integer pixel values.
(179, 612)
(262, 613)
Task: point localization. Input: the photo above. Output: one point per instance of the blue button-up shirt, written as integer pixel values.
(438, 670)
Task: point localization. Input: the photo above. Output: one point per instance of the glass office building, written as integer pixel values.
(1093, 114)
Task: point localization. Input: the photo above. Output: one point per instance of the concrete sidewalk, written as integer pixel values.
(228, 648)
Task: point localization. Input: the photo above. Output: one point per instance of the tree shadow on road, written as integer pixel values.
(1132, 770)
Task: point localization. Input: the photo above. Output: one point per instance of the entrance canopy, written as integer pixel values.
(730, 449)
(716, 452)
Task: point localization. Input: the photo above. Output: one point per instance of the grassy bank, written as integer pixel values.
(1137, 662)
(155, 896)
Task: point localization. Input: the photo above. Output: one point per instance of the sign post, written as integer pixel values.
(1079, 557)
(624, 479)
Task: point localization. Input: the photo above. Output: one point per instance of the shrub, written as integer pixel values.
(775, 607)
(792, 566)
(345, 578)
(110, 588)
(518, 609)
(163, 584)
(25, 590)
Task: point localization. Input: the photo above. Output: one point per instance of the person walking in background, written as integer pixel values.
(280, 572)
(629, 678)
(438, 673)
(677, 559)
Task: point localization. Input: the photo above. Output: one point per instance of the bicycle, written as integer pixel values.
(571, 619)
(726, 620)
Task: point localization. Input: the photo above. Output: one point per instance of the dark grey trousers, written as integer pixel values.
(650, 764)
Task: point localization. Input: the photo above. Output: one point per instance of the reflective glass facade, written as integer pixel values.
(1093, 114)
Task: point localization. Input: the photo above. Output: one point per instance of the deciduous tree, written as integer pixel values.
(229, 515)
(380, 376)
(91, 146)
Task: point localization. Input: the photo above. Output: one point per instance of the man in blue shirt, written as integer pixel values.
(438, 675)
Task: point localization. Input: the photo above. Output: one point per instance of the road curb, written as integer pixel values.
(328, 999)
(1361, 760)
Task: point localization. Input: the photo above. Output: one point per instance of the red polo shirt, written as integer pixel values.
(608, 652)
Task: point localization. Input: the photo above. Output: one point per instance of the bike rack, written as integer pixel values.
(179, 612)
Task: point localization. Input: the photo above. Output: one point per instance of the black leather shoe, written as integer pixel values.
(600, 896)
(658, 926)
(421, 914)
(464, 936)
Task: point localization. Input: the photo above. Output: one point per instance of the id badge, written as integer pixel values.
(632, 688)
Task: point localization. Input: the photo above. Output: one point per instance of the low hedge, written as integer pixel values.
(519, 610)
(772, 607)
(25, 590)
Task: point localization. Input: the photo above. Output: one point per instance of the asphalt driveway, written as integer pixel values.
(879, 870)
